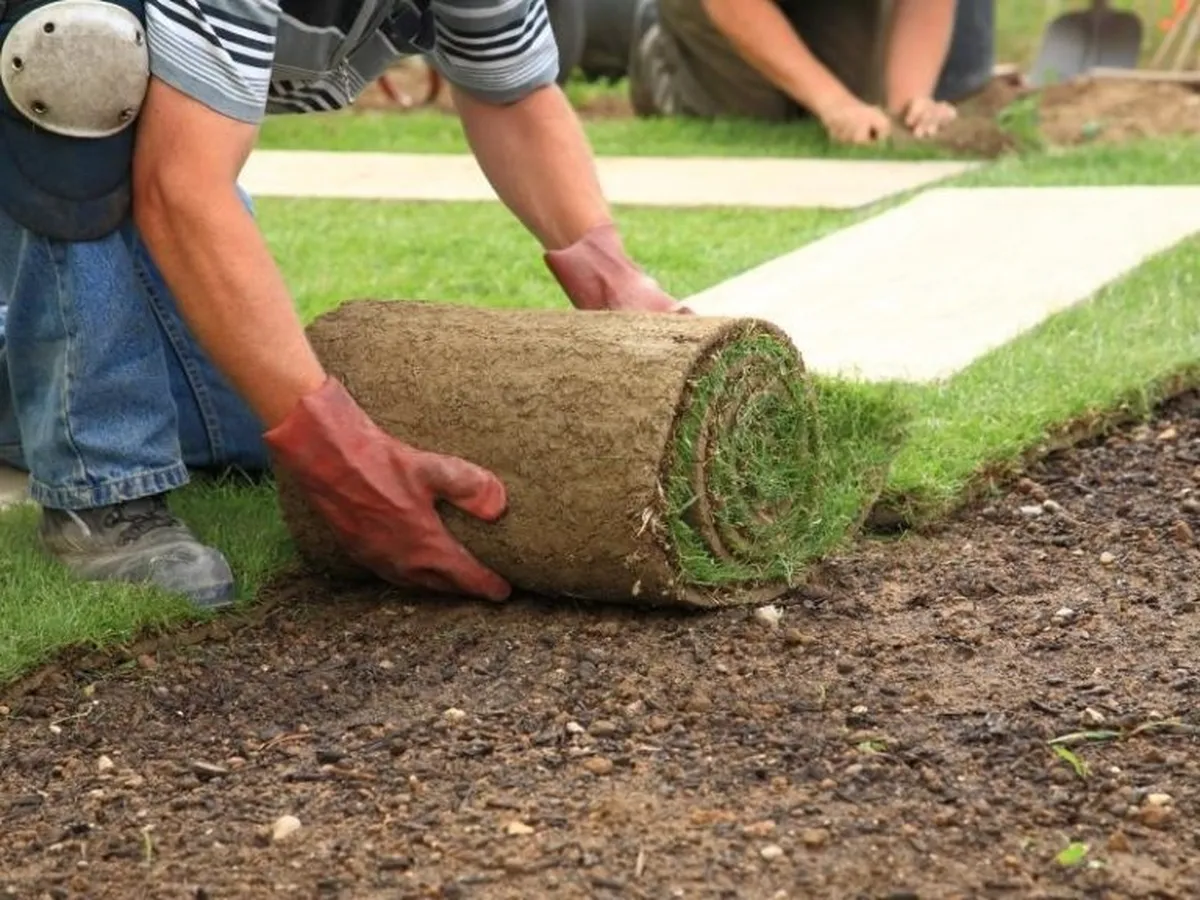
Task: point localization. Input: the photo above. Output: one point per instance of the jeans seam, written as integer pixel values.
(70, 334)
(212, 424)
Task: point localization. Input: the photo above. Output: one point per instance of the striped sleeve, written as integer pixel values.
(219, 52)
(498, 50)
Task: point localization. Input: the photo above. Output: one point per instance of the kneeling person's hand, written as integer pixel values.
(379, 494)
(925, 117)
(851, 121)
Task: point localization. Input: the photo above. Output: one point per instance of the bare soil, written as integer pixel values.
(1101, 111)
(887, 738)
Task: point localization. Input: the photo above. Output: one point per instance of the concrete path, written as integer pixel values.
(12, 487)
(922, 290)
(638, 181)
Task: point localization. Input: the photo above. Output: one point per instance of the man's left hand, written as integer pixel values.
(597, 274)
(925, 117)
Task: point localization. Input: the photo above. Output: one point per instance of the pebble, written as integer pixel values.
(1155, 816)
(599, 765)
(603, 728)
(1169, 433)
(758, 829)
(4, 710)
(1182, 533)
(205, 770)
(771, 852)
(1158, 799)
(1052, 506)
(769, 615)
(1119, 843)
(575, 728)
(284, 827)
(1093, 716)
(104, 764)
(1064, 614)
(814, 837)
(518, 829)
(794, 637)
(1191, 504)
(1107, 559)
(1031, 512)
(454, 714)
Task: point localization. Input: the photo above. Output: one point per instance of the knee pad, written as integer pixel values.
(74, 75)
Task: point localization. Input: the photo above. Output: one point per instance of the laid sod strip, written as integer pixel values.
(660, 460)
(1134, 343)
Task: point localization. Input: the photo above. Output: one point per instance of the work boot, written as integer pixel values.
(648, 66)
(139, 542)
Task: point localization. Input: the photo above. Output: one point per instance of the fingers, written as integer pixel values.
(459, 572)
(471, 488)
(925, 118)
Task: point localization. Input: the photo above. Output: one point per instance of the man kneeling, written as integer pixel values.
(854, 64)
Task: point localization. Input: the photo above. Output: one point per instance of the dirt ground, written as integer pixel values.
(887, 737)
(989, 124)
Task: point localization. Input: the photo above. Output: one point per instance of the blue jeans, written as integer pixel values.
(104, 394)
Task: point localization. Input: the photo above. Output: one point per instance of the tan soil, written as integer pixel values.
(889, 739)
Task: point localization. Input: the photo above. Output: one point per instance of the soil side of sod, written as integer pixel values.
(889, 737)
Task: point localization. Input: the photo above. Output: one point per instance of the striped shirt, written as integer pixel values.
(250, 58)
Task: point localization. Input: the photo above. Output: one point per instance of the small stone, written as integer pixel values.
(771, 852)
(1158, 799)
(454, 714)
(758, 829)
(1031, 488)
(1169, 433)
(4, 710)
(235, 762)
(104, 764)
(1191, 505)
(147, 662)
(1181, 533)
(1052, 506)
(598, 765)
(814, 837)
(1064, 614)
(284, 827)
(1093, 716)
(575, 728)
(794, 637)
(1107, 559)
(1155, 816)
(1118, 842)
(602, 728)
(518, 829)
(1031, 512)
(205, 770)
(769, 615)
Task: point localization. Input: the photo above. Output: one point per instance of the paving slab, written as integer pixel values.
(637, 181)
(922, 290)
(13, 487)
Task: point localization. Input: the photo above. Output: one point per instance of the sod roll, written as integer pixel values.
(659, 460)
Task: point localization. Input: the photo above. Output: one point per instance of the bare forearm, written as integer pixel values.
(764, 37)
(917, 48)
(537, 159)
(231, 294)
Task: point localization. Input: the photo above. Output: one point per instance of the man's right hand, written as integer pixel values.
(850, 121)
(380, 495)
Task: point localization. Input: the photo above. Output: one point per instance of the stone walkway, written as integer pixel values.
(922, 290)
(637, 181)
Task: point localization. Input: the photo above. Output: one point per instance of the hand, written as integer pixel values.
(596, 274)
(379, 494)
(924, 116)
(853, 122)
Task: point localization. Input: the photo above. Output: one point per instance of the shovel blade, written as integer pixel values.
(1077, 42)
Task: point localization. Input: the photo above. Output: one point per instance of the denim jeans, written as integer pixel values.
(105, 396)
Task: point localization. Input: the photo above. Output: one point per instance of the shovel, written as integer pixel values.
(1077, 42)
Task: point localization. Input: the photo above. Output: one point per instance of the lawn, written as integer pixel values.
(1111, 353)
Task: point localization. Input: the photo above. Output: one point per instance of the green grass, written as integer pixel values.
(769, 471)
(1079, 365)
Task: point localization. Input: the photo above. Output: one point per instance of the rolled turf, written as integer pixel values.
(659, 460)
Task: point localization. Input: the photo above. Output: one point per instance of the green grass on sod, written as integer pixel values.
(1080, 364)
